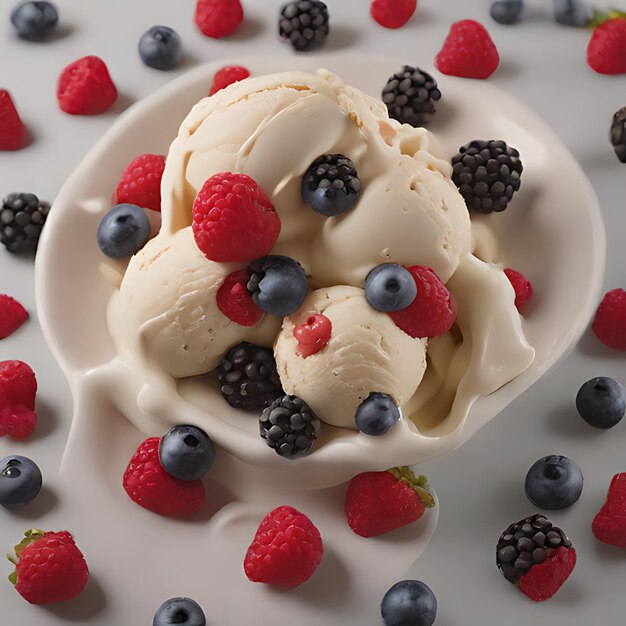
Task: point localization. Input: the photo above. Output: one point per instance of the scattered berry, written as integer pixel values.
(35, 21)
(278, 285)
(233, 219)
(20, 481)
(601, 402)
(12, 315)
(507, 11)
(609, 525)
(377, 414)
(218, 18)
(380, 502)
(150, 486)
(286, 549)
(141, 182)
(410, 96)
(432, 312)
(409, 603)
(521, 285)
(393, 13)
(227, 76)
(535, 555)
(331, 185)
(248, 378)
(49, 567)
(609, 324)
(186, 452)
(235, 301)
(618, 134)
(554, 482)
(179, 611)
(304, 24)
(314, 335)
(22, 218)
(18, 388)
(487, 174)
(606, 53)
(289, 426)
(468, 51)
(123, 231)
(389, 287)
(573, 13)
(160, 47)
(85, 87)
(13, 133)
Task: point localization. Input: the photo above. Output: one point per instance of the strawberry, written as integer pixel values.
(379, 502)
(543, 580)
(13, 133)
(150, 486)
(235, 301)
(606, 52)
(227, 76)
(48, 567)
(393, 13)
(12, 315)
(286, 550)
(522, 287)
(18, 387)
(141, 182)
(218, 18)
(313, 335)
(609, 525)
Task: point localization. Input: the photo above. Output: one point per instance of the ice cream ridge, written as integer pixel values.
(316, 264)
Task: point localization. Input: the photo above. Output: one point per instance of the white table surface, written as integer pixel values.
(480, 486)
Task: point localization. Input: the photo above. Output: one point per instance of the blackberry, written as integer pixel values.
(487, 174)
(289, 426)
(22, 217)
(304, 23)
(248, 377)
(618, 134)
(410, 96)
(527, 543)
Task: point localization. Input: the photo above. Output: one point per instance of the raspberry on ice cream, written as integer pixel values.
(521, 285)
(227, 76)
(141, 182)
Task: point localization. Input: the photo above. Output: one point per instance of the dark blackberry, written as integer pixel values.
(410, 96)
(487, 174)
(618, 134)
(304, 23)
(289, 426)
(22, 217)
(527, 543)
(248, 377)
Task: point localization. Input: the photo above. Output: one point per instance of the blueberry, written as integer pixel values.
(278, 285)
(160, 47)
(181, 611)
(20, 481)
(186, 452)
(507, 11)
(600, 402)
(554, 482)
(34, 21)
(123, 231)
(409, 603)
(389, 287)
(573, 13)
(377, 414)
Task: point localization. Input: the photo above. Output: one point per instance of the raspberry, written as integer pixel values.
(468, 51)
(218, 18)
(12, 315)
(18, 388)
(150, 486)
(544, 580)
(141, 182)
(606, 53)
(286, 549)
(521, 285)
(227, 76)
(313, 335)
(433, 311)
(13, 133)
(233, 219)
(235, 301)
(393, 13)
(609, 525)
(609, 324)
(85, 87)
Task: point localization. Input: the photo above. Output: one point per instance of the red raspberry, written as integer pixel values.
(49, 567)
(150, 486)
(286, 549)
(227, 76)
(235, 301)
(85, 87)
(233, 219)
(609, 525)
(18, 388)
(393, 13)
(313, 335)
(609, 324)
(12, 315)
(521, 285)
(433, 311)
(141, 182)
(218, 18)
(606, 53)
(468, 51)
(13, 133)
(542, 581)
